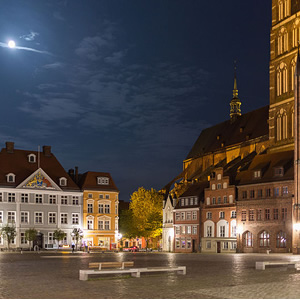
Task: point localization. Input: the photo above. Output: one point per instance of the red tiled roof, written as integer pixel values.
(267, 163)
(88, 181)
(18, 164)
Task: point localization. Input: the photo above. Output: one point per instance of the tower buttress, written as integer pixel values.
(235, 103)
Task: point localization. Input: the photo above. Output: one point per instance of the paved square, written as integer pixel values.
(56, 275)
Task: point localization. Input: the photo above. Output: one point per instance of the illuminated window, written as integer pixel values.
(281, 240)
(264, 239)
(248, 239)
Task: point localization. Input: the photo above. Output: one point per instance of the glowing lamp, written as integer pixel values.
(297, 226)
(239, 229)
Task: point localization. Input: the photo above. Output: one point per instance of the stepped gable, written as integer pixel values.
(267, 163)
(248, 126)
(89, 181)
(196, 189)
(16, 161)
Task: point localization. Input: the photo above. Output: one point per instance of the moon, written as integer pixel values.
(11, 44)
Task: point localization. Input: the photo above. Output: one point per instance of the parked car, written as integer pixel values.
(131, 249)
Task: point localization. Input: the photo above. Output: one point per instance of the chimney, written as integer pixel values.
(10, 147)
(71, 173)
(76, 174)
(47, 150)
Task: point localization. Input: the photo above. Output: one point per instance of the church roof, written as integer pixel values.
(248, 126)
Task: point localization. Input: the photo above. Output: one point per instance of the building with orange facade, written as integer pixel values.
(100, 210)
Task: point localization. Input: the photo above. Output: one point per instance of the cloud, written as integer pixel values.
(4, 45)
(115, 58)
(56, 65)
(29, 37)
(57, 15)
(90, 47)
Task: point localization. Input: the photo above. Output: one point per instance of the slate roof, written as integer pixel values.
(88, 181)
(267, 163)
(254, 124)
(16, 162)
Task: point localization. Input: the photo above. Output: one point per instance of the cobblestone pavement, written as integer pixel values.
(56, 275)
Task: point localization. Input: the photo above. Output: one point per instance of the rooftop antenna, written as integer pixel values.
(39, 156)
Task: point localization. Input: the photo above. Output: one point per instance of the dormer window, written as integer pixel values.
(278, 171)
(103, 180)
(62, 181)
(257, 174)
(32, 158)
(10, 177)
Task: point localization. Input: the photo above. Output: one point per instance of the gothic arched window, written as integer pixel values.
(282, 79)
(296, 33)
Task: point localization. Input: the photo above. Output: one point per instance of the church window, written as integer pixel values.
(293, 68)
(292, 124)
(281, 79)
(284, 126)
(278, 128)
(296, 33)
(283, 9)
(282, 41)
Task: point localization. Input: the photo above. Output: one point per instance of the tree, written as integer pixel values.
(9, 233)
(59, 235)
(127, 226)
(30, 235)
(147, 214)
(77, 235)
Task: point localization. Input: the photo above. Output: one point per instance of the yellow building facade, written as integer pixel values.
(100, 211)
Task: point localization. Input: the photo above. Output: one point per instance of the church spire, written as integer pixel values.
(235, 103)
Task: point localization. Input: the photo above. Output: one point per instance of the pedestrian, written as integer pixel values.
(73, 247)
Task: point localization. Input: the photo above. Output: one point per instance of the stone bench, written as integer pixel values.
(83, 274)
(261, 265)
(117, 264)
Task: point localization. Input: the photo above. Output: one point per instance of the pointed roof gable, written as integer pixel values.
(39, 180)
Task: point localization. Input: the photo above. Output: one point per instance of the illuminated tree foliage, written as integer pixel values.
(9, 233)
(30, 235)
(146, 207)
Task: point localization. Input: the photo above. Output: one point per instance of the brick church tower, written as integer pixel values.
(285, 34)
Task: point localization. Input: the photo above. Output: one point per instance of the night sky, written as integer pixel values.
(127, 86)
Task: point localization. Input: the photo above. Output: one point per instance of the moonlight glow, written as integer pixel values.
(11, 44)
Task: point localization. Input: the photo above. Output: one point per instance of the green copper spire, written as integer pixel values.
(235, 103)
